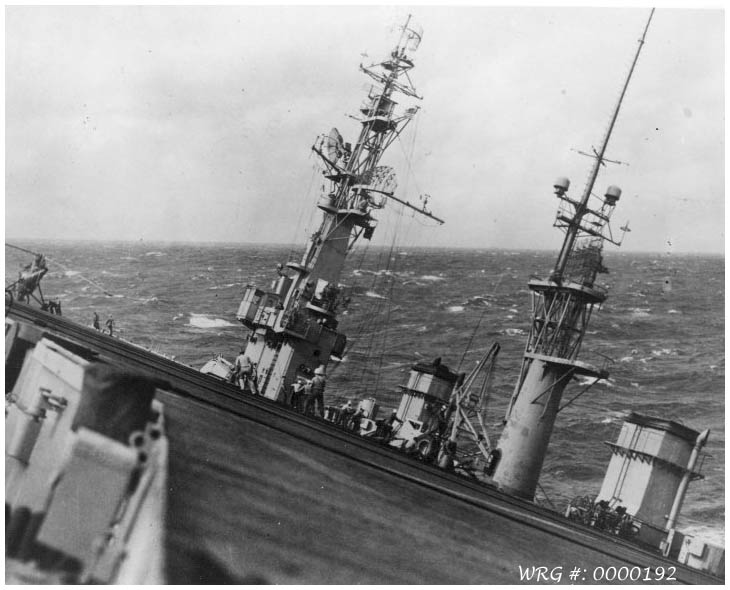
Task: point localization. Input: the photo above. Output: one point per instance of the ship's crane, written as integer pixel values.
(467, 436)
(561, 309)
(28, 285)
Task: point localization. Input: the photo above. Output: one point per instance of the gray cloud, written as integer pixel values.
(194, 123)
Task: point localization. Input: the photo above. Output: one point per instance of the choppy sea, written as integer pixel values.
(662, 325)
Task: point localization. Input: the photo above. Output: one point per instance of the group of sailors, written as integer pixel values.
(602, 516)
(108, 325)
(306, 395)
(357, 421)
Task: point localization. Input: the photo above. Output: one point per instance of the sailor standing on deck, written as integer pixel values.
(297, 394)
(315, 394)
(244, 373)
(390, 425)
(96, 322)
(110, 325)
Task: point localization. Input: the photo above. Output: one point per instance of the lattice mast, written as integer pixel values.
(561, 309)
(294, 326)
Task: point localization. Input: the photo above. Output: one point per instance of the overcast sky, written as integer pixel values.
(195, 123)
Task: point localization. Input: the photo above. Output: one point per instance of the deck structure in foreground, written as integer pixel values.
(256, 492)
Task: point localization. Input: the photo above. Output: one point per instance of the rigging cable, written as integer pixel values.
(476, 328)
(393, 244)
(389, 308)
(312, 210)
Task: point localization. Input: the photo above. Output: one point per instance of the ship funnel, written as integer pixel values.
(613, 194)
(561, 185)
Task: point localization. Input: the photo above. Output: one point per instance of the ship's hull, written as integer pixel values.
(257, 492)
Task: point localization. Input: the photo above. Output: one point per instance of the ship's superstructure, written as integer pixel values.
(103, 437)
(294, 327)
(561, 309)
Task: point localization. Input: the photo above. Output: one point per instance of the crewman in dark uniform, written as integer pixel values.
(389, 425)
(315, 395)
(297, 394)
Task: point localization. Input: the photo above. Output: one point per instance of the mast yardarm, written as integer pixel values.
(586, 221)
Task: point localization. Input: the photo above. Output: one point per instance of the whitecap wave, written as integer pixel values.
(375, 295)
(199, 320)
(612, 417)
(477, 300)
(432, 278)
(512, 332)
(674, 311)
(663, 352)
(455, 308)
(640, 312)
(71, 273)
(155, 253)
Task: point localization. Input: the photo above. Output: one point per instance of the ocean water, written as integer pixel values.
(662, 325)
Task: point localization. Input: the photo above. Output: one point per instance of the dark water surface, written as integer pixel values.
(662, 325)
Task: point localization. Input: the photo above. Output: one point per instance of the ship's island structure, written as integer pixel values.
(123, 466)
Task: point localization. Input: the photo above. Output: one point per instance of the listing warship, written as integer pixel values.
(123, 466)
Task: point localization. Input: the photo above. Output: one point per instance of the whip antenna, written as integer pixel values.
(598, 218)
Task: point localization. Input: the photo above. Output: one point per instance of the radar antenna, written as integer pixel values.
(584, 220)
(334, 145)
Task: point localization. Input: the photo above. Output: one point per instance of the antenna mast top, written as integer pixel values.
(584, 220)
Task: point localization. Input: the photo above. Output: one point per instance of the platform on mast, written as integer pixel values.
(579, 367)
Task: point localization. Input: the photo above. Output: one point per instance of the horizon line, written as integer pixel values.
(298, 245)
